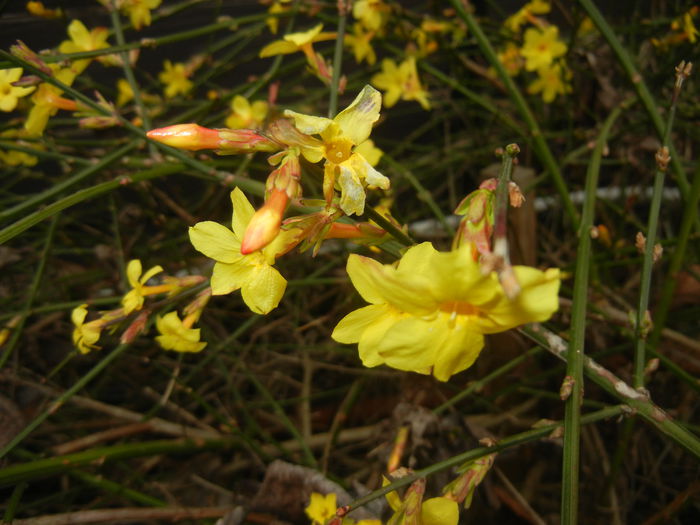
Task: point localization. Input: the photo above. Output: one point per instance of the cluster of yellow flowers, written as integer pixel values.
(542, 51)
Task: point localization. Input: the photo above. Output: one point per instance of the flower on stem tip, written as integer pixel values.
(303, 42)
(245, 114)
(83, 40)
(541, 47)
(178, 335)
(85, 335)
(261, 285)
(400, 82)
(133, 300)
(430, 311)
(139, 11)
(10, 94)
(47, 101)
(175, 77)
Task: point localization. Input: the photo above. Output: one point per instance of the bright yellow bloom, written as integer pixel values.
(261, 285)
(294, 42)
(429, 313)
(247, 115)
(139, 11)
(133, 300)
(178, 335)
(552, 81)
(85, 335)
(40, 10)
(10, 94)
(372, 13)
(15, 157)
(350, 128)
(361, 43)
(47, 101)
(400, 82)
(176, 79)
(541, 47)
(321, 508)
(526, 13)
(83, 40)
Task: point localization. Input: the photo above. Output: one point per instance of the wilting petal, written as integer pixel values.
(352, 196)
(215, 241)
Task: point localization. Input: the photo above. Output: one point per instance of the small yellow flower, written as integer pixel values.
(541, 47)
(247, 115)
(124, 92)
(277, 7)
(429, 313)
(15, 157)
(175, 77)
(434, 511)
(321, 508)
(511, 59)
(344, 164)
(85, 335)
(552, 81)
(686, 26)
(10, 94)
(372, 13)
(400, 82)
(294, 42)
(526, 14)
(179, 335)
(261, 285)
(47, 101)
(361, 43)
(38, 9)
(139, 11)
(83, 40)
(133, 300)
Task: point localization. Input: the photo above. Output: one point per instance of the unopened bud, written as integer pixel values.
(21, 50)
(194, 137)
(662, 158)
(515, 195)
(657, 252)
(98, 122)
(265, 223)
(136, 327)
(27, 81)
(640, 242)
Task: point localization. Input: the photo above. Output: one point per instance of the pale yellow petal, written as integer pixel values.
(155, 270)
(440, 511)
(351, 327)
(133, 272)
(78, 314)
(308, 124)
(352, 193)
(264, 289)
(215, 241)
(241, 106)
(227, 278)
(279, 47)
(242, 212)
(369, 345)
(357, 119)
(304, 37)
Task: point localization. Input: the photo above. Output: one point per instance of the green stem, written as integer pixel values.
(505, 443)
(53, 407)
(574, 360)
(639, 402)
(389, 227)
(540, 145)
(337, 62)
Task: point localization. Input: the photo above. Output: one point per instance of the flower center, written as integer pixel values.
(338, 150)
(455, 308)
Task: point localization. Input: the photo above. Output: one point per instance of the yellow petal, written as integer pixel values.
(215, 241)
(243, 211)
(227, 278)
(150, 273)
(412, 344)
(264, 289)
(351, 327)
(357, 119)
(304, 37)
(78, 314)
(241, 106)
(133, 272)
(440, 511)
(308, 124)
(370, 341)
(458, 351)
(352, 196)
(279, 47)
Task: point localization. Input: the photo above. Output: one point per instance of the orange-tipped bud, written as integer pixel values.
(265, 223)
(363, 231)
(191, 137)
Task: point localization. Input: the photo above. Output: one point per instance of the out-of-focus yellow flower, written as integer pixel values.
(47, 101)
(526, 14)
(175, 77)
(277, 7)
(685, 25)
(361, 43)
(178, 335)
(344, 165)
(85, 335)
(139, 11)
(400, 82)
(511, 59)
(373, 14)
(15, 157)
(133, 300)
(294, 42)
(38, 9)
(551, 81)
(429, 313)
(83, 40)
(124, 92)
(321, 507)
(434, 511)
(10, 94)
(261, 285)
(247, 115)
(541, 47)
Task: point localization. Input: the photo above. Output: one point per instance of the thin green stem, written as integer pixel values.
(540, 145)
(337, 62)
(389, 227)
(574, 361)
(60, 401)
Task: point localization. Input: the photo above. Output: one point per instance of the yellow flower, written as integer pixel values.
(85, 335)
(10, 94)
(350, 128)
(526, 13)
(39, 9)
(133, 300)
(321, 508)
(541, 47)
(179, 335)
(175, 78)
(686, 26)
(511, 59)
(434, 511)
(277, 7)
(261, 285)
(47, 101)
(400, 82)
(139, 11)
(245, 114)
(15, 157)
(372, 13)
(552, 81)
(429, 313)
(361, 43)
(124, 92)
(294, 42)
(83, 40)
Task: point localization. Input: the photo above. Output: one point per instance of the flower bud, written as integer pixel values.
(265, 223)
(194, 137)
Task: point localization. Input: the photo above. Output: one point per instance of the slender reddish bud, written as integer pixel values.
(194, 137)
(265, 223)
